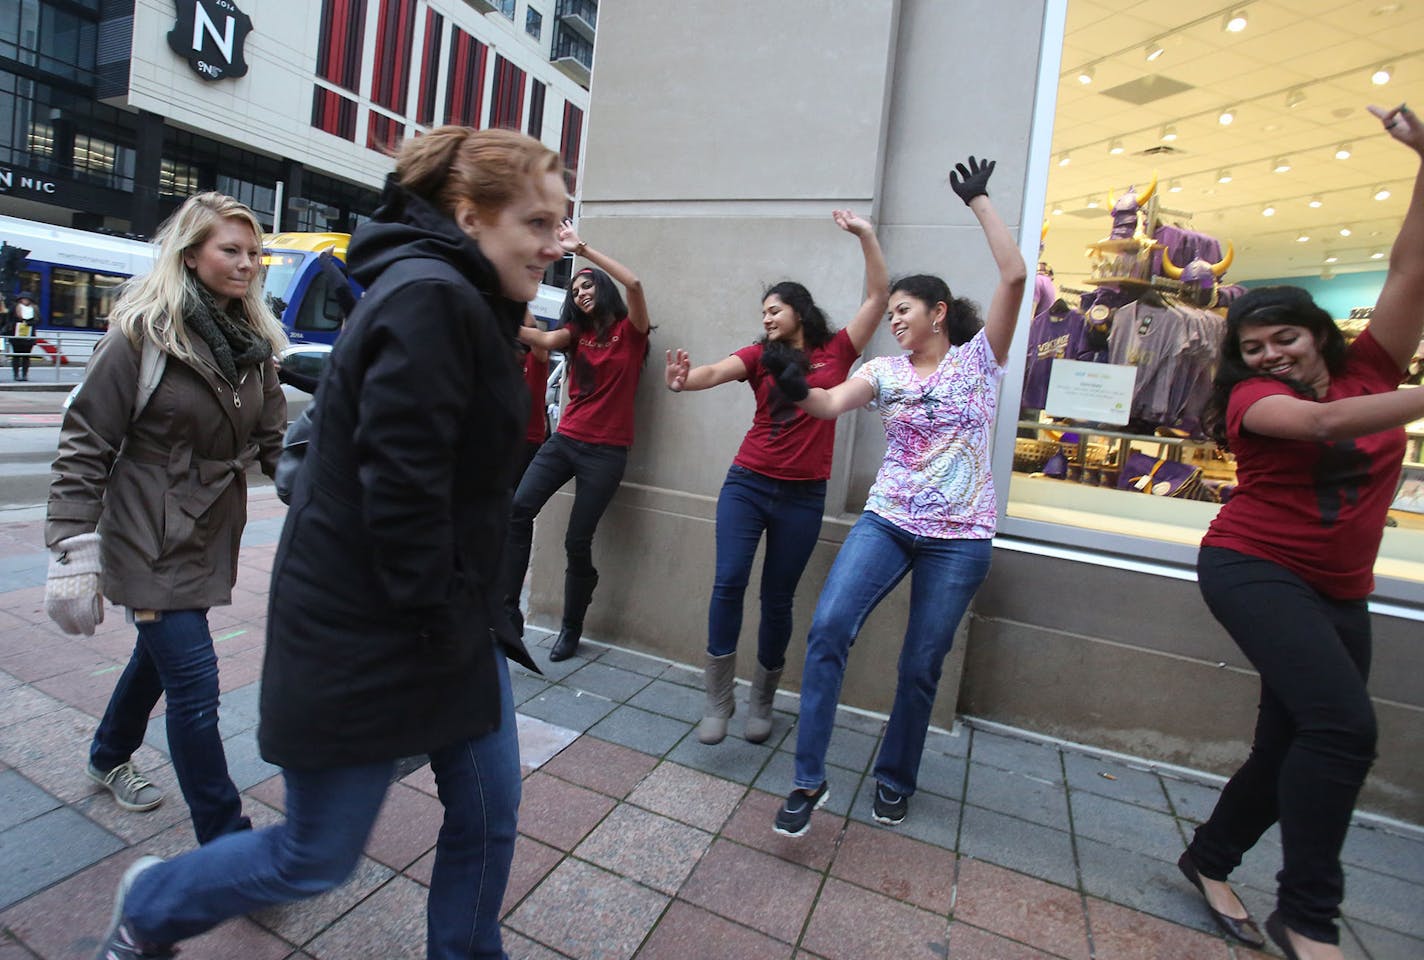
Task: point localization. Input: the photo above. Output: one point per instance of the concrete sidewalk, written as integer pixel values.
(636, 840)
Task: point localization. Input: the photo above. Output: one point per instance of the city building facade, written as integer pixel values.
(113, 111)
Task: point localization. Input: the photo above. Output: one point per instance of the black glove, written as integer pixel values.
(972, 181)
(789, 374)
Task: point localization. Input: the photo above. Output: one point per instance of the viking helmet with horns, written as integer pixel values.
(1199, 277)
(1125, 209)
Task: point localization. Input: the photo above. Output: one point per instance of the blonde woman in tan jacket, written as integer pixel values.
(147, 505)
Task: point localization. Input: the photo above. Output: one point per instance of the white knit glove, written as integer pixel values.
(72, 597)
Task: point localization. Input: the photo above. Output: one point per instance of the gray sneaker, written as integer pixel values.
(119, 941)
(131, 789)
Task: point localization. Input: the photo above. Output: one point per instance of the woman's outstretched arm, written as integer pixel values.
(972, 184)
(877, 279)
(632, 286)
(682, 375)
(1398, 317)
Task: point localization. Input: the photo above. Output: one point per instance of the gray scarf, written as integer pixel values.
(234, 344)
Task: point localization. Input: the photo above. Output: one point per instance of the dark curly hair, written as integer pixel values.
(1267, 306)
(815, 328)
(961, 319)
(608, 305)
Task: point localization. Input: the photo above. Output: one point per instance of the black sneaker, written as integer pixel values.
(120, 942)
(890, 807)
(794, 817)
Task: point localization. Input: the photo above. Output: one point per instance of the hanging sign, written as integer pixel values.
(210, 35)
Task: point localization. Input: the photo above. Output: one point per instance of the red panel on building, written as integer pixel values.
(464, 83)
(507, 104)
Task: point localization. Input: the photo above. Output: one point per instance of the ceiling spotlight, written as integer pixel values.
(1282, 165)
(1174, 187)
(1381, 193)
(1085, 76)
(1342, 152)
(1332, 259)
(1235, 21)
(1116, 148)
(1268, 211)
(1295, 97)
(1316, 202)
(1065, 158)
(1303, 238)
(1377, 255)
(1153, 51)
(1058, 211)
(1345, 231)
(1223, 175)
(1092, 203)
(1382, 74)
(1169, 133)
(1227, 115)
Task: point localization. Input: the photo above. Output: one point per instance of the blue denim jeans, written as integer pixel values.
(174, 655)
(875, 557)
(329, 817)
(789, 512)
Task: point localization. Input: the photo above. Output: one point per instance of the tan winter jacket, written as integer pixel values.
(168, 492)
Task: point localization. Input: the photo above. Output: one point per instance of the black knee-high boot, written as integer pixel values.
(578, 592)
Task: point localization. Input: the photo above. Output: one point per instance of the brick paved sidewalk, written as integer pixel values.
(636, 840)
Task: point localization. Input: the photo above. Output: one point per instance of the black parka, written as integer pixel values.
(384, 604)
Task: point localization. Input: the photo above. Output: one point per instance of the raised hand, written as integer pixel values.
(567, 238)
(1403, 124)
(678, 366)
(971, 181)
(850, 223)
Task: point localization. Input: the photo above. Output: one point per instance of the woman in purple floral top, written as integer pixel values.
(931, 511)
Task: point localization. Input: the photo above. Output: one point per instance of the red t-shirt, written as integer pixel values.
(1317, 509)
(536, 377)
(603, 379)
(784, 443)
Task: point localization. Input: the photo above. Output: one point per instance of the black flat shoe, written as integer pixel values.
(1276, 927)
(1243, 929)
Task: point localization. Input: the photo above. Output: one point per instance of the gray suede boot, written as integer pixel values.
(764, 683)
(719, 676)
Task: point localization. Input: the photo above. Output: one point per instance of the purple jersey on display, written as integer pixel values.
(1051, 337)
(1184, 246)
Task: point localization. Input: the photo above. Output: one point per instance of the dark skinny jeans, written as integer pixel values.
(1315, 732)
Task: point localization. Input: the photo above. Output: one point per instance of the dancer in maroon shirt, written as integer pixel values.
(777, 482)
(607, 343)
(1286, 568)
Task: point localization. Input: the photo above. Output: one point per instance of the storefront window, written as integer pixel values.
(1178, 181)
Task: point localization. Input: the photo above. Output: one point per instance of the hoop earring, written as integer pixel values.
(934, 328)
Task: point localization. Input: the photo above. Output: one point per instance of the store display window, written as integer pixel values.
(1189, 164)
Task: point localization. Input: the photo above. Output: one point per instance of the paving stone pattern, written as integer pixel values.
(639, 842)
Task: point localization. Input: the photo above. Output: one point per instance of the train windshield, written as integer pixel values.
(282, 268)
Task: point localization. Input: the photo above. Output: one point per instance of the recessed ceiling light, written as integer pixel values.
(1382, 74)
(1085, 76)
(1064, 159)
(1282, 165)
(1316, 202)
(1223, 175)
(1116, 148)
(1268, 211)
(1303, 238)
(1169, 133)
(1092, 203)
(1345, 231)
(1058, 211)
(1295, 97)
(1342, 152)
(1153, 51)
(1174, 187)
(1332, 259)
(1381, 193)
(1226, 116)
(1235, 21)
(1377, 255)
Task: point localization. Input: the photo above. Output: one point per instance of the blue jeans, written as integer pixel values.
(329, 817)
(875, 557)
(174, 655)
(790, 512)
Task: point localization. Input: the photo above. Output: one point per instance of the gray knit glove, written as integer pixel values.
(72, 597)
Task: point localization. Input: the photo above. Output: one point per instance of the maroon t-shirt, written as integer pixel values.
(603, 379)
(1317, 509)
(536, 377)
(784, 443)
